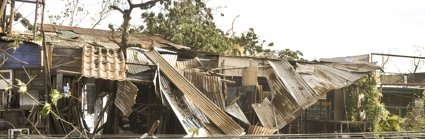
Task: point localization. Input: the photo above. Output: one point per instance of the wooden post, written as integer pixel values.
(2, 11)
(12, 15)
(59, 81)
(35, 19)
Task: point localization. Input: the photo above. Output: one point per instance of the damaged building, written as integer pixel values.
(181, 91)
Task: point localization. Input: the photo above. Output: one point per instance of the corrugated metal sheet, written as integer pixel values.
(237, 112)
(137, 57)
(258, 130)
(188, 64)
(171, 59)
(210, 86)
(212, 111)
(277, 114)
(189, 116)
(295, 90)
(293, 83)
(323, 78)
(85, 34)
(349, 59)
(103, 63)
(126, 97)
(359, 63)
(232, 61)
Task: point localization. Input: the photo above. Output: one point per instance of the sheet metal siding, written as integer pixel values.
(276, 115)
(213, 112)
(68, 35)
(237, 112)
(126, 97)
(27, 52)
(170, 58)
(181, 107)
(103, 63)
(325, 78)
(188, 64)
(293, 83)
(210, 86)
(137, 56)
(258, 130)
(240, 62)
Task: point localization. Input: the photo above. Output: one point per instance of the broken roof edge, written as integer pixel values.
(24, 37)
(137, 38)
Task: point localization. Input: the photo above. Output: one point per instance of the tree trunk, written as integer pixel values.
(124, 35)
(3, 7)
(12, 15)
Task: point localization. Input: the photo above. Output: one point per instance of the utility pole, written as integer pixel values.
(9, 27)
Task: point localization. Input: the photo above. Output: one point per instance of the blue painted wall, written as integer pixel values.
(28, 52)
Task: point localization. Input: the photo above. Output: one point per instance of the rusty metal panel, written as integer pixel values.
(212, 111)
(237, 112)
(293, 83)
(238, 61)
(170, 58)
(188, 64)
(103, 63)
(295, 90)
(258, 130)
(84, 35)
(210, 86)
(275, 115)
(135, 59)
(323, 78)
(188, 115)
(126, 97)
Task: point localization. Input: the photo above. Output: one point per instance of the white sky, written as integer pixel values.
(318, 28)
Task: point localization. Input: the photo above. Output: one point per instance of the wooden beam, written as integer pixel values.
(64, 64)
(11, 16)
(59, 81)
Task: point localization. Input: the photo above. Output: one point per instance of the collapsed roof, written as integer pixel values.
(199, 102)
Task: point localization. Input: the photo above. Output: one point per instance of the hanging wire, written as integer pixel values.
(18, 7)
(24, 18)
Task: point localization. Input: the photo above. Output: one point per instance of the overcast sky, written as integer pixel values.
(318, 28)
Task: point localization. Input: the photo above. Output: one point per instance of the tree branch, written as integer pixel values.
(116, 8)
(129, 2)
(145, 5)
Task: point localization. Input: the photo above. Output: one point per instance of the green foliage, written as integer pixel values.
(375, 111)
(47, 108)
(391, 123)
(189, 23)
(415, 118)
(194, 131)
(22, 86)
(55, 95)
(251, 43)
(17, 40)
(290, 55)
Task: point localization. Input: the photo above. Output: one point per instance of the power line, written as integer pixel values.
(24, 17)
(18, 7)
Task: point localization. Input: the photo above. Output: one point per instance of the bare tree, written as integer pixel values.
(104, 12)
(126, 13)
